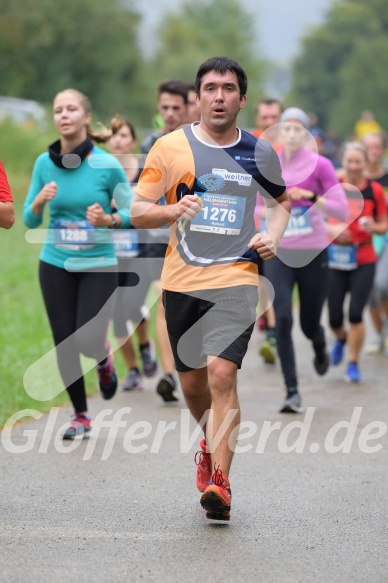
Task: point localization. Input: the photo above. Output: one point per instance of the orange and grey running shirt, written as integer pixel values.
(210, 252)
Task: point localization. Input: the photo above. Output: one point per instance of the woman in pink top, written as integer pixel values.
(315, 193)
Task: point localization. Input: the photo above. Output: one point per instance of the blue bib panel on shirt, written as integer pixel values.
(126, 243)
(73, 235)
(343, 257)
(299, 223)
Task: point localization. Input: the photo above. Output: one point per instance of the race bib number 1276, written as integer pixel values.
(221, 214)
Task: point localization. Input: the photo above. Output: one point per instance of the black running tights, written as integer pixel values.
(312, 282)
(72, 300)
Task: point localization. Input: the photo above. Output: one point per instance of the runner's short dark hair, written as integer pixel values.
(174, 87)
(222, 65)
(269, 101)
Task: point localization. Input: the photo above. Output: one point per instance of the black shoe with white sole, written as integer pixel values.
(166, 388)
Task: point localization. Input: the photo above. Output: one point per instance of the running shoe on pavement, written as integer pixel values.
(80, 426)
(337, 352)
(268, 350)
(352, 374)
(292, 404)
(204, 467)
(107, 378)
(262, 323)
(166, 388)
(216, 499)
(377, 347)
(133, 381)
(322, 363)
(147, 355)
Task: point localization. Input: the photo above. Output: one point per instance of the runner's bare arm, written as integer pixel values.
(146, 214)
(7, 215)
(277, 217)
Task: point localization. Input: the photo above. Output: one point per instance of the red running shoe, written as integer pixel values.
(204, 467)
(217, 497)
(79, 426)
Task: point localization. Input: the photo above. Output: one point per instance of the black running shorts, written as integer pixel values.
(205, 323)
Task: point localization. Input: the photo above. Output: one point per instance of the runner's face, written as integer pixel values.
(354, 163)
(69, 116)
(375, 149)
(122, 141)
(293, 135)
(173, 110)
(267, 115)
(220, 100)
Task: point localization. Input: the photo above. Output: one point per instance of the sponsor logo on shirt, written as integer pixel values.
(242, 179)
(211, 182)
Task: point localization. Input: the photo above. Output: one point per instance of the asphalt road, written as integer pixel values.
(106, 512)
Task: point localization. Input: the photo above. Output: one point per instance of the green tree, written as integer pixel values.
(204, 29)
(363, 86)
(324, 75)
(91, 45)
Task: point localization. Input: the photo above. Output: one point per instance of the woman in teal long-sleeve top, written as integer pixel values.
(77, 271)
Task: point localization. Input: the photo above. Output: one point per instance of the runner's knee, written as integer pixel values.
(355, 316)
(222, 376)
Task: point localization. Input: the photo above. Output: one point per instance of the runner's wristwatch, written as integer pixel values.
(113, 224)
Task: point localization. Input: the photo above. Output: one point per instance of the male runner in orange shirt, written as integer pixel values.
(210, 172)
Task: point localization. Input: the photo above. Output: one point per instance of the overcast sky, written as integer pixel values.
(279, 23)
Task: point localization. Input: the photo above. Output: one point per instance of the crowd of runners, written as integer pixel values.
(208, 214)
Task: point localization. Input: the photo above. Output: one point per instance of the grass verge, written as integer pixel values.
(25, 334)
